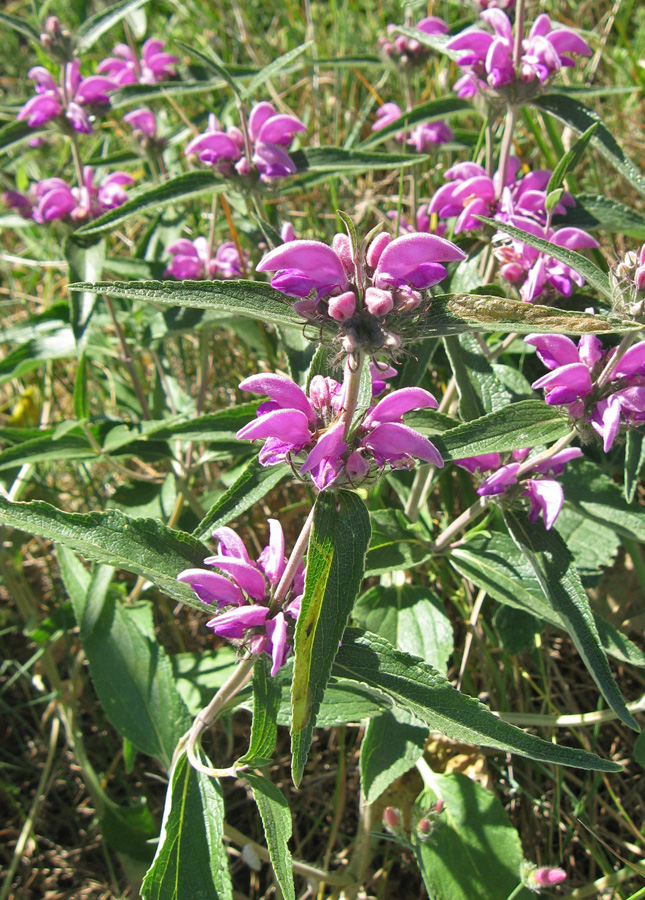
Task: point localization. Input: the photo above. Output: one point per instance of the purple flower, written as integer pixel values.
(53, 198)
(406, 51)
(544, 494)
(535, 879)
(142, 122)
(69, 99)
(245, 590)
(192, 260)
(125, 67)
(308, 431)
(366, 297)
(269, 134)
(488, 58)
(422, 137)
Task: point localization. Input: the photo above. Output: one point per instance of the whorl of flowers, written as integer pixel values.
(242, 591)
(488, 58)
(404, 51)
(628, 283)
(193, 260)
(421, 138)
(544, 493)
(309, 431)
(369, 297)
(125, 67)
(71, 102)
(269, 134)
(53, 198)
(576, 381)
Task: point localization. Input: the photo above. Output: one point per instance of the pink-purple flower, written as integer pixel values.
(142, 122)
(193, 260)
(367, 299)
(536, 878)
(244, 589)
(487, 58)
(405, 51)
(422, 137)
(53, 198)
(125, 67)
(269, 135)
(308, 431)
(73, 100)
(574, 382)
(544, 494)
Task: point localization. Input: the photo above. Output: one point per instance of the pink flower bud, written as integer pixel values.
(52, 25)
(375, 249)
(401, 43)
(243, 166)
(424, 826)
(342, 307)
(438, 807)
(391, 817)
(378, 301)
(343, 250)
(639, 278)
(546, 876)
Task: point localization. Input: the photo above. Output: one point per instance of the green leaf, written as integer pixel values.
(390, 748)
(81, 394)
(570, 159)
(412, 619)
(599, 498)
(130, 830)
(16, 133)
(435, 42)
(395, 543)
(597, 213)
(276, 821)
(57, 343)
(493, 562)
(264, 728)
(136, 94)
(474, 852)
(419, 689)
(131, 672)
(528, 423)
(143, 546)
(335, 564)
(92, 29)
(480, 390)
(274, 68)
(425, 112)
(253, 484)
(457, 313)
(580, 118)
(336, 160)
(554, 568)
(579, 263)
(254, 299)
(85, 263)
(634, 462)
(177, 189)
(191, 860)
(639, 749)
(21, 25)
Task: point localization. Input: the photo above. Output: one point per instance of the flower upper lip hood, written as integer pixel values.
(74, 93)
(126, 68)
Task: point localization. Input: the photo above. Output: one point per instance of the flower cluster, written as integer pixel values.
(53, 198)
(488, 58)
(577, 381)
(245, 590)
(405, 51)
(310, 432)
(194, 260)
(71, 102)
(544, 494)
(269, 133)
(421, 138)
(367, 296)
(125, 67)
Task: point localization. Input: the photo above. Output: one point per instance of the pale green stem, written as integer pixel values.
(128, 360)
(505, 151)
(520, 12)
(622, 348)
(297, 555)
(352, 382)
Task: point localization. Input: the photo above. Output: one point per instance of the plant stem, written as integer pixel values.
(128, 360)
(78, 162)
(460, 523)
(622, 348)
(505, 151)
(297, 554)
(351, 386)
(520, 11)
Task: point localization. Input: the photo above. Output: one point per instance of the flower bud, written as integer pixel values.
(391, 818)
(375, 249)
(378, 301)
(535, 879)
(639, 278)
(343, 250)
(342, 307)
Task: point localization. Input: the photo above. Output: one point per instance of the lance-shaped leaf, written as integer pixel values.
(433, 41)
(182, 187)
(570, 160)
(143, 546)
(416, 687)
(335, 565)
(85, 263)
(21, 26)
(596, 496)
(276, 821)
(251, 486)
(390, 747)
(480, 390)
(395, 543)
(425, 112)
(579, 263)
(92, 29)
(336, 160)
(458, 313)
(634, 462)
(598, 213)
(580, 118)
(276, 66)
(191, 860)
(555, 569)
(253, 299)
(267, 693)
(130, 669)
(16, 133)
(136, 94)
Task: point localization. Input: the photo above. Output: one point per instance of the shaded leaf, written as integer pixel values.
(276, 821)
(596, 496)
(389, 749)
(480, 390)
(597, 213)
(425, 112)
(264, 728)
